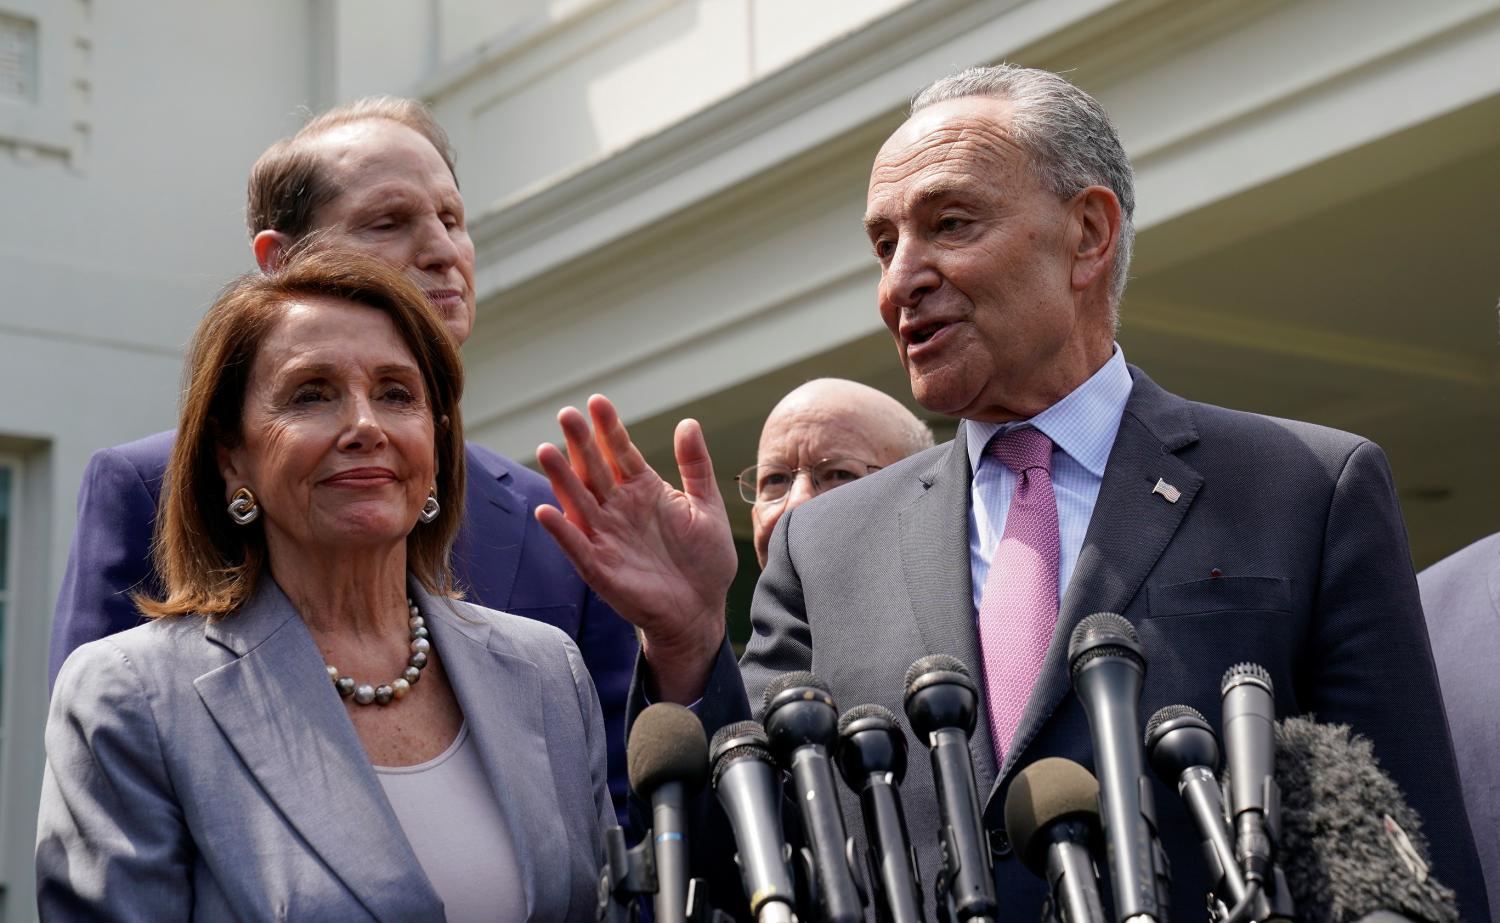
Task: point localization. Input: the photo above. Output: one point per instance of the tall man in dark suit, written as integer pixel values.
(1461, 597)
(375, 175)
(1000, 214)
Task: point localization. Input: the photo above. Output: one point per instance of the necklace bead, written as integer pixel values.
(386, 693)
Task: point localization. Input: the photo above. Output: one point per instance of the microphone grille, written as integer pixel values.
(1103, 634)
(867, 713)
(1163, 715)
(791, 681)
(667, 744)
(935, 663)
(738, 734)
(1246, 673)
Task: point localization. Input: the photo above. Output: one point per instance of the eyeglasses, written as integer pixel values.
(771, 483)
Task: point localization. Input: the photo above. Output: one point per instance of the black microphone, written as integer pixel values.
(1108, 667)
(802, 723)
(1184, 751)
(748, 785)
(1351, 845)
(942, 704)
(1249, 741)
(1052, 816)
(667, 757)
(872, 760)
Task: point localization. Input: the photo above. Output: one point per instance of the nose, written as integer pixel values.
(436, 251)
(362, 430)
(801, 491)
(910, 275)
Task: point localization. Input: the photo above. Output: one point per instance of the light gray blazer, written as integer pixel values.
(1461, 597)
(206, 769)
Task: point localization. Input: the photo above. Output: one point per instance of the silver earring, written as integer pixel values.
(431, 508)
(242, 507)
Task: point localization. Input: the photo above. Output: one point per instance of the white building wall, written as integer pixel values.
(121, 214)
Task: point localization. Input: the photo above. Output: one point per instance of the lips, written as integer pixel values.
(361, 477)
(924, 337)
(445, 297)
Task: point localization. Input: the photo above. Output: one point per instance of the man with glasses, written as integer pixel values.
(822, 434)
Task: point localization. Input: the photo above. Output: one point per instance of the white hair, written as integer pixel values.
(1066, 134)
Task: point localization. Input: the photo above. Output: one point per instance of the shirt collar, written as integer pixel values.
(1083, 424)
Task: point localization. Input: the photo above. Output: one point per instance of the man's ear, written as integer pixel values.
(270, 248)
(1097, 213)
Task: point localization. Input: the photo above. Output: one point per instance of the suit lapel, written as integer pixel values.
(935, 557)
(501, 697)
(487, 554)
(276, 707)
(1130, 528)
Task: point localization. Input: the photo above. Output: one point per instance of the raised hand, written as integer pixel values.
(662, 557)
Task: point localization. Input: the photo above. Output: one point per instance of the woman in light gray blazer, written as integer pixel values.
(313, 727)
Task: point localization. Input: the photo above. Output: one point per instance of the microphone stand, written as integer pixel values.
(630, 875)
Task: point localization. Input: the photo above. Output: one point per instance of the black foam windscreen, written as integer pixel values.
(865, 712)
(1163, 715)
(667, 744)
(1047, 791)
(737, 741)
(1350, 845)
(791, 680)
(934, 663)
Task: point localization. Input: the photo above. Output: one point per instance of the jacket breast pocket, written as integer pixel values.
(1220, 594)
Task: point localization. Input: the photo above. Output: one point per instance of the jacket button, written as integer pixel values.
(999, 845)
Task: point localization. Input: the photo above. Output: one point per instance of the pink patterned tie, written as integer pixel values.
(1018, 611)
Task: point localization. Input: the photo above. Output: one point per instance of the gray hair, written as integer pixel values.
(1066, 134)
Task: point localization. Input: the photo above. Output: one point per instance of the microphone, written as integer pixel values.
(1108, 667)
(1052, 816)
(1249, 712)
(1183, 750)
(942, 703)
(748, 785)
(872, 760)
(1352, 846)
(667, 757)
(802, 722)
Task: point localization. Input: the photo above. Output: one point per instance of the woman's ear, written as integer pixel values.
(230, 465)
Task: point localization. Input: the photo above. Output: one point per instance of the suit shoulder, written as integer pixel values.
(150, 652)
(525, 636)
(1260, 440)
(1466, 564)
(518, 477)
(148, 456)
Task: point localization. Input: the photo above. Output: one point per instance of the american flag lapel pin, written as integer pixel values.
(1170, 493)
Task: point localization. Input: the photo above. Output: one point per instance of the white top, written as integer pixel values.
(452, 818)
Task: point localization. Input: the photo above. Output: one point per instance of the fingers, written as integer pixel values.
(579, 503)
(584, 453)
(693, 462)
(623, 456)
(574, 544)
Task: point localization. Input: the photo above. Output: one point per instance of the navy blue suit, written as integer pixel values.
(503, 558)
(1461, 597)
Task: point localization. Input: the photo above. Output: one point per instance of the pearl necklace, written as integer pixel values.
(385, 693)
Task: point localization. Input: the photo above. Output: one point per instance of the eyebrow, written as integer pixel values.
(925, 197)
(324, 369)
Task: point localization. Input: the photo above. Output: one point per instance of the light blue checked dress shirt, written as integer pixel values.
(1082, 427)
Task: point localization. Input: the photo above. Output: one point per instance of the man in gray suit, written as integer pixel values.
(1000, 214)
(1461, 597)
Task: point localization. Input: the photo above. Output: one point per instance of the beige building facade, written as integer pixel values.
(665, 196)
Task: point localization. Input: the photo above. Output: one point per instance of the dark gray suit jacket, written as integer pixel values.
(1461, 596)
(206, 769)
(1316, 585)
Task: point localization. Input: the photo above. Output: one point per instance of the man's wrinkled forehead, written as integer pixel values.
(966, 137)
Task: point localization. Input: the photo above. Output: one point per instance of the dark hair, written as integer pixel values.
(206, 563)
(290, 180)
